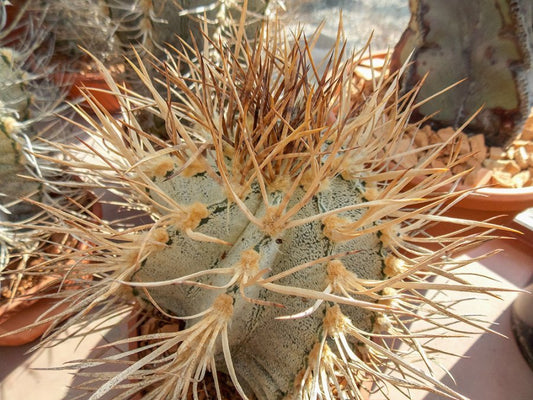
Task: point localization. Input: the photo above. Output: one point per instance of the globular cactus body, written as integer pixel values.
(255, 330)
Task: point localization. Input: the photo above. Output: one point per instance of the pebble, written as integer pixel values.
(492, 166)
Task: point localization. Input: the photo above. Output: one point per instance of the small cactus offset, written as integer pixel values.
(489, 45)
(275, 228)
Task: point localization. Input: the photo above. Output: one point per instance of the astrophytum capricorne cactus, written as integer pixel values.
(275, 226)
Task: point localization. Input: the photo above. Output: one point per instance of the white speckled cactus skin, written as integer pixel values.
(254, 331)
(274, 226)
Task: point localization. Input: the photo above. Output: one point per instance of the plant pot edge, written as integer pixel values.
(25, 310)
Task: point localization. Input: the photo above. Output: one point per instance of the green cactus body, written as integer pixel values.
(15, 108)
(14, 95)
(274, 229)
(489, 45)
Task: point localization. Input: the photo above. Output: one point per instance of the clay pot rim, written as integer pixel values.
(501, 201)
(499, 191)
(493, 198)
(508, 201)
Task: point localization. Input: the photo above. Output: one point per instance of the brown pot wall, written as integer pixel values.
(24, 311)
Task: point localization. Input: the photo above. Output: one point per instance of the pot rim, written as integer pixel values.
(495, 191)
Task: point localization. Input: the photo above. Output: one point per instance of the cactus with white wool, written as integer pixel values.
(273, 227)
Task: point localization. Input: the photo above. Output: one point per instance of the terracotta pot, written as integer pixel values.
(499, 205)
(25, 310)
(485, 203)
(94, 83)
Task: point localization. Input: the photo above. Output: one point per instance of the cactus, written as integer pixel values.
(272, 226)
(15, 103)
(489, 45)
(29, 109)
(154, 24)
(75, 27)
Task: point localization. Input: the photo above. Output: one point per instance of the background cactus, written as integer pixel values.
(272, 226)
(489, 45)
(153, 25)
(29, 109)
(15, 108)
(78, 26)
(109, 29)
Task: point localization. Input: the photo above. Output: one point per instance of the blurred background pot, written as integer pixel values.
(24, 311)
(91, 82)
(36, 301)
